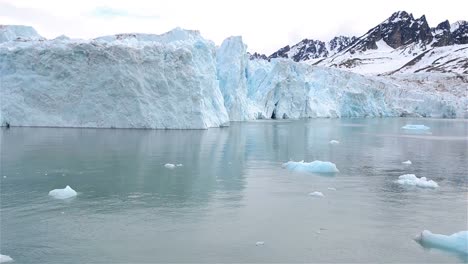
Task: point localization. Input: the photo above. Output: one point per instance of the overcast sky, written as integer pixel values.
(265, 25)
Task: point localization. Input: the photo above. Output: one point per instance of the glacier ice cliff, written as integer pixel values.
(167, 82)
(179, 80)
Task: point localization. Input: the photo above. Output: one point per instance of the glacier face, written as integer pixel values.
(179, 80)
(124, 83)
(18, 33)
(232, 59)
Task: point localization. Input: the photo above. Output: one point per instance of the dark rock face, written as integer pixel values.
(257, 56)
(339, 43)
(309, 49)
(281, 53)
(442, 35)
(313, 49)
(399, 30)
(460, 35)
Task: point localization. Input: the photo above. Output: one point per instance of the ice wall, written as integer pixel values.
(166, 82)
(232, 62)
(179, 80)
(18, 33)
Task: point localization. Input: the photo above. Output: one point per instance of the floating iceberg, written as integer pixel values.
(179, 165)
(334, 142)
(457, 242)
(316, 194)
(412, 180)
(169, 165)
(65, 193)
(416, 127)
(260, 243)
(408, 162)
(316, 166)
(5, 258)
(331, 189)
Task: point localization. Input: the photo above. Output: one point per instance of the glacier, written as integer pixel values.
(457, 242)
(168, 81)
(180, 80)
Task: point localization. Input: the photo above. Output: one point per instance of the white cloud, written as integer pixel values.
(265, 25)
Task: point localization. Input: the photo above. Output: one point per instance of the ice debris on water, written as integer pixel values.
(65, 193)
(316, 194)
(5, 258)
(408, 162)
(412, 180)
(179, 165)
(457, 242)
(416, 127)
(334, 142)
(169, 165)
(314, 166)
(331, 189)
(260, 243)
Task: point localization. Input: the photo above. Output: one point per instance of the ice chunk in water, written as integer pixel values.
(331, 189)
(179, 165)
(169, 165)
(408, 162)
(316, 194)
(260, 243)
(334, 142)
(416, 127)
(65, 193)
(5, 258)
(314, 166)
(457, 242)
(412, 180)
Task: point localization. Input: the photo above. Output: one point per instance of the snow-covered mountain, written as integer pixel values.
(400, 43)
(179, 80)
(309, 49)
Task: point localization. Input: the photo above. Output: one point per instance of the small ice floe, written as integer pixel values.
(457, 242)
(412, 180)
(169, 165)
(316, 194)
(5, 258)
(334, 142)
(65, 193)
(260, 243)
(331, 189)
(416, 127)
(314, 166)
(408, 162)
(4, 176)
(179, 165)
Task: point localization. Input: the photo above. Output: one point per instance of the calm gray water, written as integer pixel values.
(232, 192)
